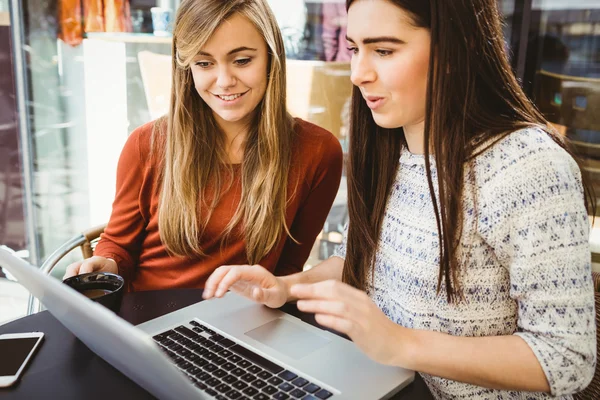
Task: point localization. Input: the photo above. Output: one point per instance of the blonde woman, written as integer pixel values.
(228, 176)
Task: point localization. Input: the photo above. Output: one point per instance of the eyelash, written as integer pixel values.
(381, 52)
(384, 53)
(242, 62)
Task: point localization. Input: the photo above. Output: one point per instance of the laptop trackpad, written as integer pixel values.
(288, 338)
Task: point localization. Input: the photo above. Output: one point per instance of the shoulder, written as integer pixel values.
(145, 139)
(524, 154)
(312, 141)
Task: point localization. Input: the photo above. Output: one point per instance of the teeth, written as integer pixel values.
(230, 98)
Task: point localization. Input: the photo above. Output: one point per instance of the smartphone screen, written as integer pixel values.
(14, 352)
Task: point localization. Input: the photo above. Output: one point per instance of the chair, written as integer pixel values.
(592, 392)
(319, 92)
(156, 76)
(86, 241)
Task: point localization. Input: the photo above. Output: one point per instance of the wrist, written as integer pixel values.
(114, 263)
(286, 284)
(406, 345)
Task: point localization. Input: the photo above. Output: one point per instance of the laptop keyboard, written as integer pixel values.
(227, 370)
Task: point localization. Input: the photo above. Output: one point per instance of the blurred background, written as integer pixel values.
(77, 76)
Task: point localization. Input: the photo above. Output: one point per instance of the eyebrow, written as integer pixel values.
(379, 39)
(236, 50)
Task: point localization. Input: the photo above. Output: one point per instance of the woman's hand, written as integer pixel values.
(348, 310)
(92, 264)
(251, 281)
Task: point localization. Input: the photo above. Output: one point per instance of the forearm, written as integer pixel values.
(328, 269)
(496, 362)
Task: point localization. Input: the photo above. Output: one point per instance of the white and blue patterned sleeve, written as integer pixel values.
(340, 250)
(532, 214)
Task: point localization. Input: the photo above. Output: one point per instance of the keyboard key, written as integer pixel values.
(193, 346)
(311, 388)
(176, 336)
(159, 337)
(264, 375)
(197, 329)
(216, 348)
(261, 396)
(228, 366)
(195, 323)
(257, 359)
(299, 382)
(213, 382)
(226, 343)
(238, 372)
(201, 351)
(235, 358)
(210, 367)
(281, 396)
(216, 337)
(250, 391)
(200, 362)
(297, 393)
(211, 392)
(275, 381)
(221, 397)
(248, 378)
(184, 352)
(323, 394)
(254, 369)
(223, 388)
(230, 379)
(219, 373)
(192, 357)
(203, 376)
(239, 385)
(210, 356)
(169, 333)
(194, 370)
(244, 364)
(234, 394)
(288, 375)
(270, 389)
(225, 353)
(186, 342)
(259, 384)
(219, 361)
(175, 347)
(200, 385)
(285, 387)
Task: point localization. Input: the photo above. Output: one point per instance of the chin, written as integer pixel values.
(386, 121)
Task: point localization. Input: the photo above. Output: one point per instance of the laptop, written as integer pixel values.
(227, 348)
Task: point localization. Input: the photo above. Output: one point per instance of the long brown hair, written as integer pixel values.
(195, 154)
(476, 99)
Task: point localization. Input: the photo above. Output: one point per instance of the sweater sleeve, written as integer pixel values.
(311, 215)
(123, 235)
(532, 214)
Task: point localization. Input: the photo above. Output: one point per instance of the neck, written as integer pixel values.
(235, 137)
(415, 137)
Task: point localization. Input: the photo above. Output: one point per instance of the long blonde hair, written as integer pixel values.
(195, 154)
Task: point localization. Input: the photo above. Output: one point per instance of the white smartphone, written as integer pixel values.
(16, 350)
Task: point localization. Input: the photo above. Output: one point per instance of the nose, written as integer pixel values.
(225, 79)
(362, 70)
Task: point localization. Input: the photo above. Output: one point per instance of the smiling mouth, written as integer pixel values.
(230, 97)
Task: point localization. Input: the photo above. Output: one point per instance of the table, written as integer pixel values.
(64, 368)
